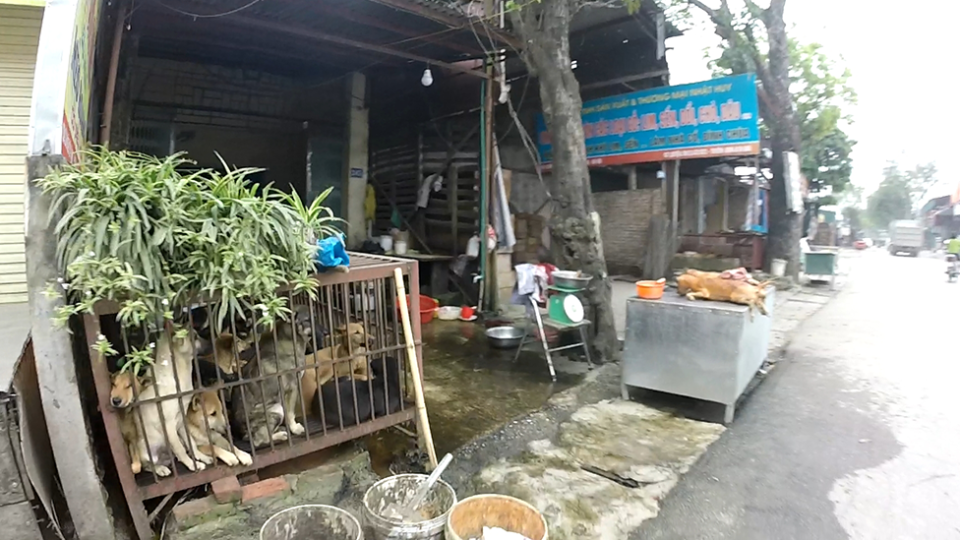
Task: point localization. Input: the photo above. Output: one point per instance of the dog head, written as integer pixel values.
(207, 404)
(687, 283)
(124, 388)
(181, 342)
(353, 335)
(297, 327)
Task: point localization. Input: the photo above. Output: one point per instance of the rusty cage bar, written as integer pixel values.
(230, 392)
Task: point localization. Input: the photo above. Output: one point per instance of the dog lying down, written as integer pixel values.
(337, 396)
(742, 290)
(207, 411)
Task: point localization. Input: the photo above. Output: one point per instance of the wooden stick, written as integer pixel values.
(414, 365)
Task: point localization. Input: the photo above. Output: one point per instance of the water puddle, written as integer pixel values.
(471, 388)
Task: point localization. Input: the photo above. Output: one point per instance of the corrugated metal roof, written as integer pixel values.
(215, 27)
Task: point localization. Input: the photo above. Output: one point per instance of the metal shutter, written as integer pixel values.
(19, 36)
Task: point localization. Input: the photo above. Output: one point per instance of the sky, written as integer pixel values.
(905, 61)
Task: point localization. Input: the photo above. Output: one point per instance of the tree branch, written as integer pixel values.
(703, 7)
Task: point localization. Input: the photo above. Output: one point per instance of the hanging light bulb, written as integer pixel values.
(427, 78)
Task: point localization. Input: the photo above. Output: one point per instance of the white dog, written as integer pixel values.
(174, 358)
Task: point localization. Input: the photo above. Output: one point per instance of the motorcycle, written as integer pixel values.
(953, 269)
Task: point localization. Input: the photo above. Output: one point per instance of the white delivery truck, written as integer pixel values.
(906, 236)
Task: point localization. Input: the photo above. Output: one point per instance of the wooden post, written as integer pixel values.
(414, 366)
(111, 89)
(725, 197)
(672, 200)
(660, 248)
(701, 214)
(453, 192)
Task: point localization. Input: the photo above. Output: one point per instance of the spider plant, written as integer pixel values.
(135, 230)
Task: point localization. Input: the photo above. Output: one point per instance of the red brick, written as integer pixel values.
(226, 490)
(184, 511)
(264, 488)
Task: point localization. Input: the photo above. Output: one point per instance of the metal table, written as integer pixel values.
(696, 348)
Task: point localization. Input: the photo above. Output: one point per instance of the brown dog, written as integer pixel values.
(206, 410)
(712, 286)
(351, 337)
(124, 389)
(227, 350)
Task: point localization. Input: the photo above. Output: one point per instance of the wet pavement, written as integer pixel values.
(472, 388)
(853, 435)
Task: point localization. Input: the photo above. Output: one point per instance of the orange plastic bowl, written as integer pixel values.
(650, 290)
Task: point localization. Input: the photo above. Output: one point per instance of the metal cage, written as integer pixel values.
(252, 386)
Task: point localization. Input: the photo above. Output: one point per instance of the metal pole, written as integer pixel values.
(111, 90)
(483, 194)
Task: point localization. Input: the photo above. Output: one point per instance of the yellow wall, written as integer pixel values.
(19, 36)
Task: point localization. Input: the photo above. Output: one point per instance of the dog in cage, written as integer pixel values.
(324, 365)
(266, 404)
(125, 387)
(207, 425)
(222, 355)
(352, 402)
(162, 423)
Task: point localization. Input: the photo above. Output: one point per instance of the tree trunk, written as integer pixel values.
(545, 28)
(777, 111)
(783, 240)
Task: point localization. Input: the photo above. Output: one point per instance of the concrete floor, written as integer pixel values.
(854, 435)
(14, 327)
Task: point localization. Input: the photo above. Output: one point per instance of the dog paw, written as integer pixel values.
(136, 468)
(193, 466)
(162, 470)
(203, 458)
(297, 429)
(230, 459)
(244, 457)
(280, 436)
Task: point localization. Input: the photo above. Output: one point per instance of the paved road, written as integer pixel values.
(854, 435)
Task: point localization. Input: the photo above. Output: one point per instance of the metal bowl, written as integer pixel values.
(570, 279)
(505, 337)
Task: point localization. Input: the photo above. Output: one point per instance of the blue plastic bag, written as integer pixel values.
(331, 252)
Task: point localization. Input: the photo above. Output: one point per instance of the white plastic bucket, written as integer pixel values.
(400, 247)
(778, 267)
(386, 242)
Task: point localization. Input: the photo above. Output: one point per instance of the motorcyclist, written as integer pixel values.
(953, 249)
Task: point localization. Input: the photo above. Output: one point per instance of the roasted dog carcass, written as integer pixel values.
(713, 286)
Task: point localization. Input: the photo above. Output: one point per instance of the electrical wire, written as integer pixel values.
(211, 16)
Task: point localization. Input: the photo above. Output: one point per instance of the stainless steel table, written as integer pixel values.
(696, 348)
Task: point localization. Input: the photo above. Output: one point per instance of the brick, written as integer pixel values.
(183, 512)
(226, 490)
(264, 488)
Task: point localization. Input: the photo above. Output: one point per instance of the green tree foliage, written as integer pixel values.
(854, 216)
(822, 97)
(899, 193)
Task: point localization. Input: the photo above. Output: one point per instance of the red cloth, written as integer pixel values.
(549, 269)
